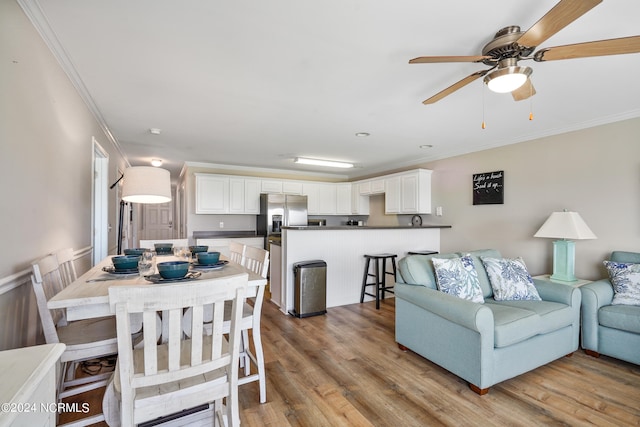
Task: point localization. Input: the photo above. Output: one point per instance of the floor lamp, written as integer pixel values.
(143, 184)
(566, 226)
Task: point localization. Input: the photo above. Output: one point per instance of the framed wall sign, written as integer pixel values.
(488, 188)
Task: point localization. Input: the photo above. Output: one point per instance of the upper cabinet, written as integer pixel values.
(220, 194)
(212, 194)
(405, 193)
(408, 192)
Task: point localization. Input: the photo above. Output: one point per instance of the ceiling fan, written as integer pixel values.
(511, 45)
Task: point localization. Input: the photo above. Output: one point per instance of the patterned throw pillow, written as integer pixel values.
(626, 282)
(458, 277)
(510, 279)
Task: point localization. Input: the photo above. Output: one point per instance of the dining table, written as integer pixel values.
(88, 296)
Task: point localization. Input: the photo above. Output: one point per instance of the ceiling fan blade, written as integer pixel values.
(524, 92)
(454, 87)
(561, 15)
(597, 48)
(437, 59)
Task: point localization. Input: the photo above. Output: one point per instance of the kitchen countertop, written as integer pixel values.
(216, 234)
(363, 227)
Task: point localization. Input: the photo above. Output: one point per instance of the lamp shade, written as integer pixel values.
(565, 225)
(146, 184)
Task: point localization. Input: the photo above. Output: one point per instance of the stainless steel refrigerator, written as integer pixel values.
(280, 210)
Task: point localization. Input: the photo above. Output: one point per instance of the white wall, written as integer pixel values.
(595, 172)
(46, 151)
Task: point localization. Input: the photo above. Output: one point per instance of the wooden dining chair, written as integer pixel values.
(66, 265)
(183, 373)
(84, 339)
(251, 315)
(236, 252)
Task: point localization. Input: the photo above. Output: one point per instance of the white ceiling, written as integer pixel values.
(257, 83)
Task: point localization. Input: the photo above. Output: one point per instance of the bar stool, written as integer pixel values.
(380, 261)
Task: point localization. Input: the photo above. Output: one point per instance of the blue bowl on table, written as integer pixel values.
(197, 249)
(163, 248)
(135, 251)
(208, 258)
(173, 269)
(125, 262)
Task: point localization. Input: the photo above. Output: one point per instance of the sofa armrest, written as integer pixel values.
(465, 313)
(594, 295)
(556, 292)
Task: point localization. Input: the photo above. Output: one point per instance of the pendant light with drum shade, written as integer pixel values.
(143, 184)
(146, 184)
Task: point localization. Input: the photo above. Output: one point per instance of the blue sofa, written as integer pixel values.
(482, 343)
(612, 330)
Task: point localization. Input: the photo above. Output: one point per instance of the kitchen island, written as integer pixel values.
(343, 249)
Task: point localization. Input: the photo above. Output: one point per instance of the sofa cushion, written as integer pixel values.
(625, 278)
(623, 317)
(483, 278)
(552, 315)
(626, 257)
(418, 269)
(510, 279)
(512, 324)
(458, 277)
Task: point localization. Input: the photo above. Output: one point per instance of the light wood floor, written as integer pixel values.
(345, 369)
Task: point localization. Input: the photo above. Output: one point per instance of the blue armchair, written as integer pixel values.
(612, 330)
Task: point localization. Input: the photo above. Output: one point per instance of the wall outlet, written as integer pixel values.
(221, 224)
(439, 211)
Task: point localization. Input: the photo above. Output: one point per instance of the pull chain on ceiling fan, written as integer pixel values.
(511, 45)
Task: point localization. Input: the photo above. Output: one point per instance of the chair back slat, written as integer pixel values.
(236, 252)
(67, 266)
(256, 260)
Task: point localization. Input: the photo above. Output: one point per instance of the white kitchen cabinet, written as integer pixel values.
(327, 199)
(364, 187)
(392, 194)
(252, 188)
(236, 195)
(312, 191)
(292, 187)
(378, 185)
(359, 201)
(343, 199)
(271, 186)
(408, 192)
(212, 194)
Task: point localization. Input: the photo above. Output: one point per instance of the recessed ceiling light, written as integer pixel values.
(156, 162)
(155, 131)
(362, 134)
(318, 162)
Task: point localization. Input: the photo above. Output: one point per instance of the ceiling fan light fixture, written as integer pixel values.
(318, 162)
(507, 79)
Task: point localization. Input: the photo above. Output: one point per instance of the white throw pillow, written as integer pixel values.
(458, 277)
(510, 279)
(625, 279)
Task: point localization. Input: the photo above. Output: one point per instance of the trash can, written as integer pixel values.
(310, 288)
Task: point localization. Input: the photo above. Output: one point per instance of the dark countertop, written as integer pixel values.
(217, 234)
(364, 227)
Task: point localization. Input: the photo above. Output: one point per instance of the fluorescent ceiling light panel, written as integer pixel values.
(317, 162)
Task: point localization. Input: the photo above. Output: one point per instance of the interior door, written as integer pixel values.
(157, 222)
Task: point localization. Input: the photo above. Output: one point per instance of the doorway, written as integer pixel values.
(100, 208)
(157, 221)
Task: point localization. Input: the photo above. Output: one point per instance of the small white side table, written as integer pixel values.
(576, 284)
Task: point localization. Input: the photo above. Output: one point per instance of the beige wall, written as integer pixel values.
(46, 151)
(595, 172)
